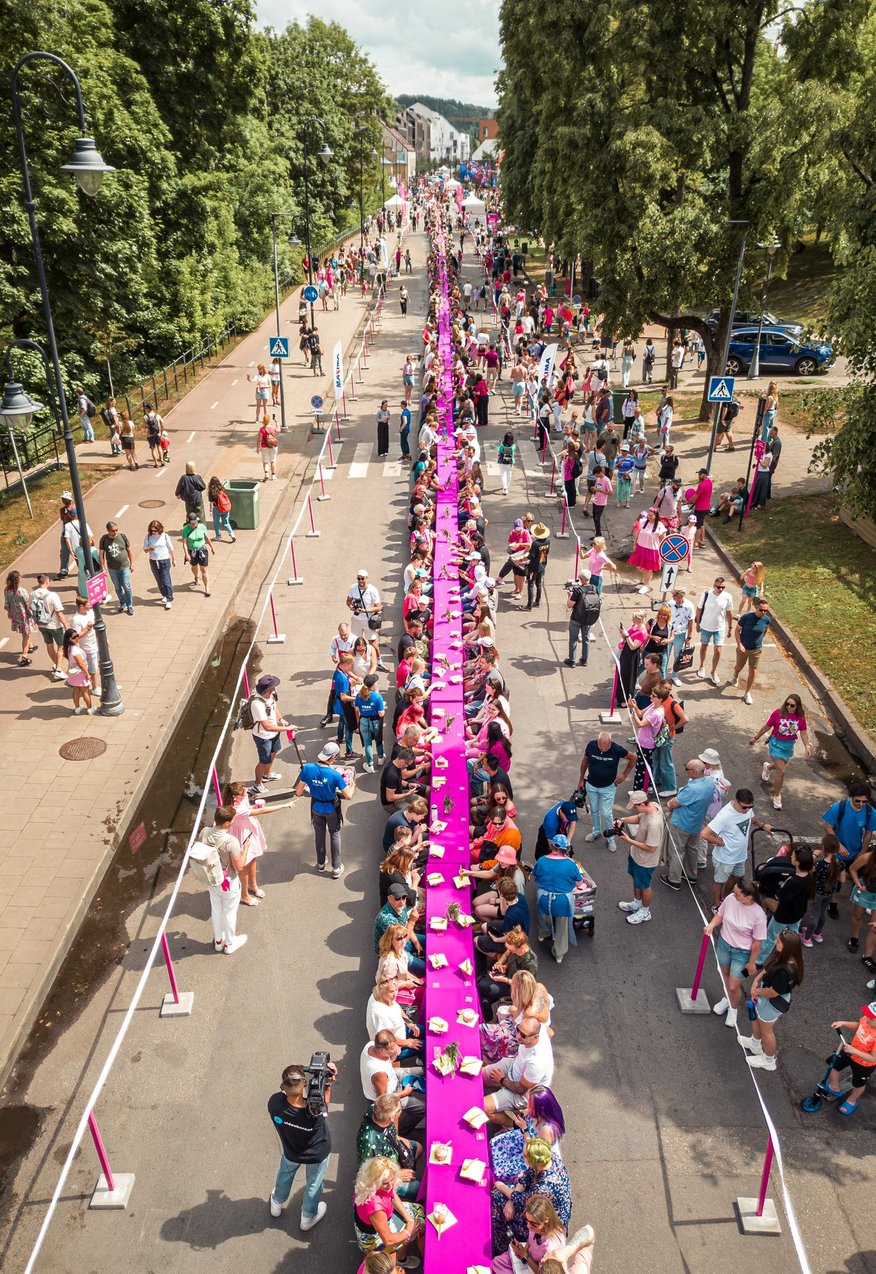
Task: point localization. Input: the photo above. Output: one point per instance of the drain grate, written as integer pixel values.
(151, 504)
(84, 749)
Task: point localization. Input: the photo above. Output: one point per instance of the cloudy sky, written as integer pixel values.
(449, 49)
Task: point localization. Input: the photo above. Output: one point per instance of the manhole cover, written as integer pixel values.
(151, 504)
(84, 749)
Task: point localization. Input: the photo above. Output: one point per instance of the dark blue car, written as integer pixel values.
(780, 351)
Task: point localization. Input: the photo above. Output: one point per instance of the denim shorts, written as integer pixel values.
(723, 871)
(734, 958)
(267, 747)
(711, 634)
(863, 898)
(766, 1012)
(641, 875)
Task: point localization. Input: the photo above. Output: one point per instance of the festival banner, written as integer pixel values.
(338, 370)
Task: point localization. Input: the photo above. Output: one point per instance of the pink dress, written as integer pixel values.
(75, 676)
(646, 554)
(248, 831)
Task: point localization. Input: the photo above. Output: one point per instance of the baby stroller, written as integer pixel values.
(584, 899)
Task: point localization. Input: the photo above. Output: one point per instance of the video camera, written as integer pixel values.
(319, 1078)
(572, 587)
(617, 826)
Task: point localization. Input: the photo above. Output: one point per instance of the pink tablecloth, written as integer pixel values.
(448, 989)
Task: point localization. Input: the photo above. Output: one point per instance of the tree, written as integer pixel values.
(657, 126)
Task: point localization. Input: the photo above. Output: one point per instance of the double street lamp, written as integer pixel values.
(88, 168)
(771, 248)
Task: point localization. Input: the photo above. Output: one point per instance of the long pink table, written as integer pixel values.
(448, 989)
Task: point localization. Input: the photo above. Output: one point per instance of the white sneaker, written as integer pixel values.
(167, 605)
(701, 863)
(276, 1208)
(307, 1223)
(337, 871)
(777, 802)
(77, 712)
(722, 1006)
(746, 698)
(714, 679)
(592, 836)
(271, 778)
(635, 905)
(871, 984)
(59, 675)
(611, 844)
(750, 1044)
(701, 674)
(766, 772)
(238, 942)
(369, 769)
(760, 1061)
(639, 916)
(734, 681)
(730, 1019)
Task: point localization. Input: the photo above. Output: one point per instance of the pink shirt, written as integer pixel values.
(595, 562)
(742, 923)
(601, 491)
(703, 496)
(653, 720)
(786, 727)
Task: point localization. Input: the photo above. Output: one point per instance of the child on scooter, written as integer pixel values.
(861, 1053)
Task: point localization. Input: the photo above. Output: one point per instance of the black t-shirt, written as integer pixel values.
(782, 981)
(406, 641)
(602, 767)
(390, 778)
(395, 820)
(792, 899)
(305, 1138)
(503, 777)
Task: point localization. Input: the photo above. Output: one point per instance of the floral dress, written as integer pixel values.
(15, 603)
(553, 1181)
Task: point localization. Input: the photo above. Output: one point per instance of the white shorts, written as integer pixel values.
(503, 1098)
(359, 627)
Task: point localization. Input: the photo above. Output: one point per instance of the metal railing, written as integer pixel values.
(179, 372)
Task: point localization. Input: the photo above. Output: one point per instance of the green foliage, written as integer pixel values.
(205, 119)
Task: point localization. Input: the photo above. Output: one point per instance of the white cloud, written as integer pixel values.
(449, 49)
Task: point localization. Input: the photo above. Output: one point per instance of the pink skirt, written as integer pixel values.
(78, 679)
(645, 559)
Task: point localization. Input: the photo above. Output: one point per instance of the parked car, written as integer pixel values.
(750, 318)
(779, 351)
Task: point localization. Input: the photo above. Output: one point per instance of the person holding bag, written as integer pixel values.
(266, 446)
(771, 997)
(220, 507)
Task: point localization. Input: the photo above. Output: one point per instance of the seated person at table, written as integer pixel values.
(398, 778)
(513, 913)
(395, 962)
(485, 905)
(496, 983)
(381, 1218)
(413, 815)
(380, 1072)
(384, 1013)
(397, 868)
(532, 1066)
(396, 912)
(378, 1135)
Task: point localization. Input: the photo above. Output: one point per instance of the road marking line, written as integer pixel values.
(392, 469)
(162, 471)
(234, 382)
(361, 456)
(3, 641)
(214, 405)
(191, 436)
(252, 364)
(123, 509)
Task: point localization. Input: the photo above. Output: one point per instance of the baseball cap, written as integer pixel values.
(329, 751)
(66, 495)
(560, 841)
(397, 891)
(371, 680)
(869, 1010)
(267, 682)
(625, 446)
(362, 571)
(638, 798)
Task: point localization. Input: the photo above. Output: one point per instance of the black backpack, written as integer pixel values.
(90, 409)
(587, 607)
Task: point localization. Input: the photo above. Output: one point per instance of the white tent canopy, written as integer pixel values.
(452, 184)
(474, 204)
(395, 201)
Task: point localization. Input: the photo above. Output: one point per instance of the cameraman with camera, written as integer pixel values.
(363, 600)
(584, 603)
(299, 1113)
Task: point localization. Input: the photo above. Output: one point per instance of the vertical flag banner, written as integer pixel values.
(338, 370)
(546, 365)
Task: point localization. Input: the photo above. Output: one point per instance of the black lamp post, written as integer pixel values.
(274, 216)
(363, 131)
(18, 409)
(726, 350)
(325, 154)
(88, 168)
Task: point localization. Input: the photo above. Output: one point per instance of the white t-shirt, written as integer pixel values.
(368, 596)
(87, 641)
(716, 608)
(263, 710)
(51, 602)
(72, 536)
(535, 1064)
(384, 1017)
(734, 828)
(681, 616)
(369, 1066)
(340, 645)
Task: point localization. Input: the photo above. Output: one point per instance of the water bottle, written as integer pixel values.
(752, 1010)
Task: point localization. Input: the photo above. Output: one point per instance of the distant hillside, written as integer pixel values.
(462, 115)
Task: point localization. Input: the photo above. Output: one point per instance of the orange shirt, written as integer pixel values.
(865, 1039)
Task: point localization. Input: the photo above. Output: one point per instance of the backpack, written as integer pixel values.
(731, 411)
(153, 424)
(245, 720)
(41, 612)
(90, 409)
(206, 864)
(577, 468)
(602, 373)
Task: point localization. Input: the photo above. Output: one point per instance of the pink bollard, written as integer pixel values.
(312, 533)
(216, 786)
(246, 683)
(276, 637)
(344, 405)
(168, 964)
(544, 450)
(322, 495)
(577, 555)
(563, 534)
(359, 371)
(294, 578)
(552, 489)
(331, 459)
(765, 1177)
(701, 962)
(337, 425)
(101, 1152)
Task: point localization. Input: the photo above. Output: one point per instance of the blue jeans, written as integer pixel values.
(774, 928)
(601, 805)
(87, 429)
(578, 631)
(161, 571)
(315, 1175)
(664, 768)
(345, 730)
(416, 965)
(674, 649)
(409, 1189)
(221, 522)
(403, 439)
(369, 728)
(122, 584)
(596, 581)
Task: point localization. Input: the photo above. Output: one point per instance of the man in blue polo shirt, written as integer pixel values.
(404, 429)
(324, 785)
(853, 820)
(561, 819)
(750, 632)
(689, 808)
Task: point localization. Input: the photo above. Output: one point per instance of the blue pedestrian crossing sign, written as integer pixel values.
(721, 389)
(311, 294)
(278, 347)
(673, 548)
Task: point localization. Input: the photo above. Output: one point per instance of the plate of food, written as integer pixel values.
(439, 923)
(471, 1066)
(437, 1026)
(438, 960)
(476, 1117)
(441, 1152)
(467, 1017)
(473, 1170)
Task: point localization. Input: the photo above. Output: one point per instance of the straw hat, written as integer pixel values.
(540, 532)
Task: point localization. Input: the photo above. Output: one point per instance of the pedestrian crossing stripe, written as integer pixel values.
(721, 389)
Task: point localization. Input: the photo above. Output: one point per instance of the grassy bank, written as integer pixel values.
(17, 530)
(821, 581)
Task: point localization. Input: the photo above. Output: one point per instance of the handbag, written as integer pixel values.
(684, 659)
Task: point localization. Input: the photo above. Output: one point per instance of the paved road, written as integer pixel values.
(664, 1130)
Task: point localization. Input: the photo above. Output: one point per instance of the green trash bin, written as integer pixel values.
(244, 494)
(617, 401)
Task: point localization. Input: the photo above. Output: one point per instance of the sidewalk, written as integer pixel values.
(67, 816)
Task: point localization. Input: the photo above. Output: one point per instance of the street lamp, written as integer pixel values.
(18, 409)
(325, 153)
(726, 350)
(771, 249)
(88, 169)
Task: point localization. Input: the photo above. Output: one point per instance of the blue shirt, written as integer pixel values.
(551, 820)
(752, 629)
(517, 914)
(694, 800)
(372, 706)
(341, 684)
(405, 417)
(560, 876)
(322, 782)
(850, 825)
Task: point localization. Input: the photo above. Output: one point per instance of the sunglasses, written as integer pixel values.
(719, 587)
(746, 807)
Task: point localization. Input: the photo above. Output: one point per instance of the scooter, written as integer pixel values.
(814, 1102)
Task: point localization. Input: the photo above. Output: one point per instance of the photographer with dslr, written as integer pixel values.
(299, 1113)
(644, 853)
(584, 604)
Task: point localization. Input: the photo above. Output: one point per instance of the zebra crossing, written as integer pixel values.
(360, 465)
